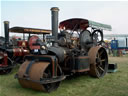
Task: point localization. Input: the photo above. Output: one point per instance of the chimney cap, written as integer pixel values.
(6, 22)
(54, 9)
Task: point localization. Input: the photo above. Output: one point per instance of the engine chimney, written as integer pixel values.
(54, 13)
(6, 28)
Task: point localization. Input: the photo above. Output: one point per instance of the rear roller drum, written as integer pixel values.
(98, 61)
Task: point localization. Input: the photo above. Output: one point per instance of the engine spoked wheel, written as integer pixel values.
(98, 61)
(7, 69)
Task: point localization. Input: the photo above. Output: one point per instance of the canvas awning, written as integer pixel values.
(81, 24)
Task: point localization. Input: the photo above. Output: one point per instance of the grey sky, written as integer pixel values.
(37, 13)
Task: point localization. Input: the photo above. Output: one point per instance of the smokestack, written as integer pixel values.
(6, 29)
(54, 13)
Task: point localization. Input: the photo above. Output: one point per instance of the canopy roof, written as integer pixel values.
(81, 24)
(29, 30)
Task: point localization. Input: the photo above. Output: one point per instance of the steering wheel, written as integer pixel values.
(97, 36)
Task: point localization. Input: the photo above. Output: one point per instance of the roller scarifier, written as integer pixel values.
(74, 50)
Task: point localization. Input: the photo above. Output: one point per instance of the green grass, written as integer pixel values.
(113, 84)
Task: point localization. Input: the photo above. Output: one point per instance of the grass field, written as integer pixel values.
(114, 84)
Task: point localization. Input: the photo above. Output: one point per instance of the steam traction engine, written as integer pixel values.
(12, 51)
(74, 50)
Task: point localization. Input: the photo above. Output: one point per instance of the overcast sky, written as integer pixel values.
(37, 13)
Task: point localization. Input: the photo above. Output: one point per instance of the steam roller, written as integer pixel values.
(46, 67)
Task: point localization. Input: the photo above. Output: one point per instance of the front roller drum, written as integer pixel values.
(38, 71)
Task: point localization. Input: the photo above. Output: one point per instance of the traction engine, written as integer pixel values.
(12, 51)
